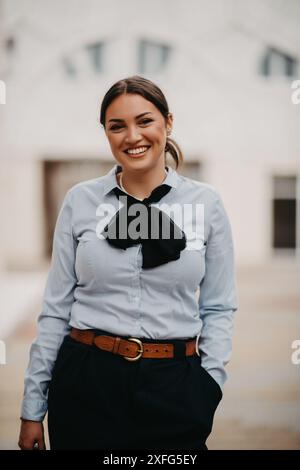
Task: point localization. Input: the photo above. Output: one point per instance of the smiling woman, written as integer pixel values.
(127, 356)
(137, 127)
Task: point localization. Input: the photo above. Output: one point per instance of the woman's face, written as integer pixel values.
(132, 122)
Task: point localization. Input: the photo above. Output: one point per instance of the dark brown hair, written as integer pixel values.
(151, 92)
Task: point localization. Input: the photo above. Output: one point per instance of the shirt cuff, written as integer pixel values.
(34, 410)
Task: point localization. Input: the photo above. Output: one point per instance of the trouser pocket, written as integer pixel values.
(204, 394)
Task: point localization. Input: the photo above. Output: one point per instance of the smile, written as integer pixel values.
(137, 152)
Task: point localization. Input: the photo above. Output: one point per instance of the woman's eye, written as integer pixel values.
(146, 121)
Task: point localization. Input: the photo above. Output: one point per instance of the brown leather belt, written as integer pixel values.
(131, 349)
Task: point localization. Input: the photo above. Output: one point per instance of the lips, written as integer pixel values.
(135, 155)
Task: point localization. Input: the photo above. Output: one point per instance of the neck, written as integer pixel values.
(141, 185)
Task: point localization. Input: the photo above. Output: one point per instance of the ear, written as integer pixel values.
(169, 123)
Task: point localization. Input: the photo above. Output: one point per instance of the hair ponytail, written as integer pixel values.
(173, 149)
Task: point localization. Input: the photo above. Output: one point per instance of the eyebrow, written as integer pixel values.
(122, 120)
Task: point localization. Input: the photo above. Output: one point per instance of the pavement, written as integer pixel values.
(260, 408)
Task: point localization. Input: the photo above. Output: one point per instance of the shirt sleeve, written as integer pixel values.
(53, 321)
(217, 299)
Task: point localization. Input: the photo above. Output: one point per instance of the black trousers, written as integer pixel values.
(99, 400)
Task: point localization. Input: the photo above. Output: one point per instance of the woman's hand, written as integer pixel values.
(31, 435)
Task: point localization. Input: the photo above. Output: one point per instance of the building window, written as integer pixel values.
(284, 212)
(152, 57)
(84, 59)
(277, 63)
(69, 67)
(95, 51)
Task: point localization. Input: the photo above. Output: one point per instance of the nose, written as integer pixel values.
(132, 135)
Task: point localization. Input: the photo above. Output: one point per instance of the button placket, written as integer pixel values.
(136, 295)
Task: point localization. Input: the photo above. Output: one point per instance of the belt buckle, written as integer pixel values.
(140, 351)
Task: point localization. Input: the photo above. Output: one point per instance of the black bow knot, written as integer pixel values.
(161, 239)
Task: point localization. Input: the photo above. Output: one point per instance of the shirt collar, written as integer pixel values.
(110, 180)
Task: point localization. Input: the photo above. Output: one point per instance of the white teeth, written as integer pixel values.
(137, 150)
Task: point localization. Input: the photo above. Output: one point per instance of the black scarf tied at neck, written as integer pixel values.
(168, 240)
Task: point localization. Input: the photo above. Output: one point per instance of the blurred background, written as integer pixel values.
(226, 68)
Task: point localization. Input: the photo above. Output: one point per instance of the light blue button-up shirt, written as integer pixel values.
(92, 284)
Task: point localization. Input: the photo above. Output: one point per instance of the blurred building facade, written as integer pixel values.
(226, 68)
